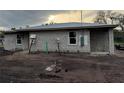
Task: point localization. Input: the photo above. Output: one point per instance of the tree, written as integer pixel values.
(13, 28)
(115, 17)
(100, 18)
(118, 18)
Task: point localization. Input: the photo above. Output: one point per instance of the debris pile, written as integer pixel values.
(50, 68)
(56, 67)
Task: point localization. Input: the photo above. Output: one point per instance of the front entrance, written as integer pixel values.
(99, 41)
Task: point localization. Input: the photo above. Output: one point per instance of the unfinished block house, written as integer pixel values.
(69, 37)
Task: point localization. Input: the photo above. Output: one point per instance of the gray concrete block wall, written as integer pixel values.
(25, 42)
(105, 41)
(11, 44)
(111, 42)
(99, 41)
(10, 41)
(51, 37)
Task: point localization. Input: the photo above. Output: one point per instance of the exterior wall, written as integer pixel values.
(10, 42)
(111, 42)
(99, 41)
(50, 37)
(25, 42)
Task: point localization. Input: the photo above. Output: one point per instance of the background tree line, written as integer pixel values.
(110, 17)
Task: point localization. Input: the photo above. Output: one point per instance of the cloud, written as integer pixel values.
(17, 18)
(73, 16)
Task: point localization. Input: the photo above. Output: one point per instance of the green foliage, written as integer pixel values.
(119, 37)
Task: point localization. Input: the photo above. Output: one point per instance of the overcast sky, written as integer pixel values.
(20, 18)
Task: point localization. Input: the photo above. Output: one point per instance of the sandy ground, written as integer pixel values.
(24, 68)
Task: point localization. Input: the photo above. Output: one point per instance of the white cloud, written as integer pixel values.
(37, 17)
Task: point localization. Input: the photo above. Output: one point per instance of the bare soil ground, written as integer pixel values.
(24, 68)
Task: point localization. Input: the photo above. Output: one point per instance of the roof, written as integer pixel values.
(59, 26)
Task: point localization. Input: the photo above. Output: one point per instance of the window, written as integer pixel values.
(19, 39)
(72, 38)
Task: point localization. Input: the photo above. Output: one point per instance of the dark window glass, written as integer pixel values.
(19, 39)
(72, 34)
(72, 37)
(72, 40)
(19, 42)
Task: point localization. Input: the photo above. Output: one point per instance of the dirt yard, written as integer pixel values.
(22, 68)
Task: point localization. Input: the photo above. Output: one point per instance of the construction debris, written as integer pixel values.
(50, 68)
(56, 67)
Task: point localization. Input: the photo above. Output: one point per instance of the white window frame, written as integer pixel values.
(69, 38)
(17, 39)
